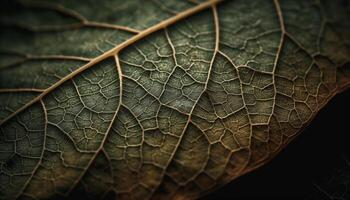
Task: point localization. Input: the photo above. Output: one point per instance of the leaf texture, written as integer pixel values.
(159, 99)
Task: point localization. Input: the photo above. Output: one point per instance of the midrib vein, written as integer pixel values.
(115, 51)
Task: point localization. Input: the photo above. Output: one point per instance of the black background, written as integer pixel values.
(309, 161)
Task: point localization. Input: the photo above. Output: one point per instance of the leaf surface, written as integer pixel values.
(152, 99)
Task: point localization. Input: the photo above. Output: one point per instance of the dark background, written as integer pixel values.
(316, 165)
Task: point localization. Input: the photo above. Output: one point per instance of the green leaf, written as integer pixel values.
(159, 99)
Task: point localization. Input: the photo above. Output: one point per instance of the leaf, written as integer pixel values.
(150, 99)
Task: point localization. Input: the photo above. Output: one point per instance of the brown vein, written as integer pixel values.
(110, 26)
(44, 57)
(55, 7)
(100, 148)
(216, 49)
(9, 90)
(246, 109)
(42, 152)
(283, 31)
(72, 14)
(27, 57)
(70, 27)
